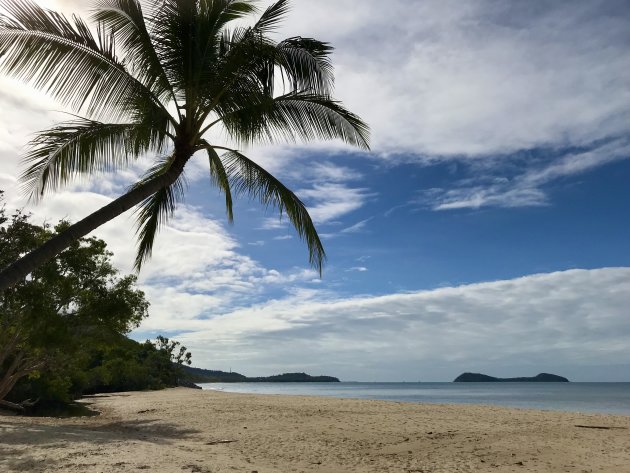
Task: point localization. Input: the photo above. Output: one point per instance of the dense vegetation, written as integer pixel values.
(62, 331)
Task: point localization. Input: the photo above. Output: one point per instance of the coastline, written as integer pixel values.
(577, 397)
(212, 431)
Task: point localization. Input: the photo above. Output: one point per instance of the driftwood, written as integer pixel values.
(602, 427)
(12, 405)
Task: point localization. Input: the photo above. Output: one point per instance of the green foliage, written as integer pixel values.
(177, 353)
(62, 331)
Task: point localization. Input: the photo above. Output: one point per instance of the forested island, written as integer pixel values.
(484, 378)
(199, 375)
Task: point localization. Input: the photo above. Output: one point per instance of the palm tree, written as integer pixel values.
(155, 78)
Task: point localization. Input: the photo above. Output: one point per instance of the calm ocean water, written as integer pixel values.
(612, 398)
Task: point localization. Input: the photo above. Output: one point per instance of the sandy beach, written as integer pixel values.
(186, 430)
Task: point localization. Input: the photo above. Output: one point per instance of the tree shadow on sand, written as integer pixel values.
(146, 430)
(23, 446)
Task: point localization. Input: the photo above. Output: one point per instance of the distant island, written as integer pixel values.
(484, 378)
(199, 375)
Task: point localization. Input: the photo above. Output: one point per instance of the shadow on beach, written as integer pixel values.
(37, 447)
(14, 433)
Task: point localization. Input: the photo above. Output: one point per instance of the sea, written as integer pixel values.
(607, 398)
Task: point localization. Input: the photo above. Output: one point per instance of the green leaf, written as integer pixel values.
(272, 17)
(155, 211)
(294, 116)
(84, 146)
(126, 22)
(220, 178)
(248, 177)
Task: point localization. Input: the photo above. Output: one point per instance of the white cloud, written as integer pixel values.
(357, 227)
(331, 201)
(569, 320)
(526, 189)
(283, 237)
(447, 78)
(330, 172)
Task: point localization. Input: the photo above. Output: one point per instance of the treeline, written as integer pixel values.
(63, 329)
(199, 375)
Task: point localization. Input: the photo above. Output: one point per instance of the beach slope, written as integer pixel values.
(186, 430)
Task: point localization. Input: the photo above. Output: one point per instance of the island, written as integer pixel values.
(200, 375)
(484, 378)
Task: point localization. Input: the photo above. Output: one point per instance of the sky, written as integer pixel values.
(486, 230)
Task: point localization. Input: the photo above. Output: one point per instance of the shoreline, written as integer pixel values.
(211, 431)
(575, 405)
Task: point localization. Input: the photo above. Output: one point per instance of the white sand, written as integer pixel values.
(185, 430)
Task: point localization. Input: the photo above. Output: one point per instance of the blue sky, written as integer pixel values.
(486, 231)
(397, 241)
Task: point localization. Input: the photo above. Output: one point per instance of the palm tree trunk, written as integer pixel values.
(39, 256)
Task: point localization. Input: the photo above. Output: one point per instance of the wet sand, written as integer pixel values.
(186, 430)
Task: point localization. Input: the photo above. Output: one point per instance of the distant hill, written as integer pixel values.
(484, 378)
(199, 375)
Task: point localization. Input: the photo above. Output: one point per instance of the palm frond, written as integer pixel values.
(63, 58)
(248, 177)
(125, 20)
(82, 146)
(272, 17)
(218, 13)
(210, 24)
(241, 51)
(306, 63)
(155, 211)
(219, 176)
(294, 116)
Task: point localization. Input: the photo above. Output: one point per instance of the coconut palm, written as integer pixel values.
(155, 78)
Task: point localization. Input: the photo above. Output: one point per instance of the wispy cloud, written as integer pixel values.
(357, 227)
(328, 202)
(283, 237)
(526, 189)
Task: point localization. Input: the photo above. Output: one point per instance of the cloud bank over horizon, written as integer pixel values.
(572, 321)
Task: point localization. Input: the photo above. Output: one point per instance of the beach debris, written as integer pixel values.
(146, 411)
(601, 427)
(218, 442)
(196, 469)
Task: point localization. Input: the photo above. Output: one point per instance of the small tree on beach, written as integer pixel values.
(155, 78)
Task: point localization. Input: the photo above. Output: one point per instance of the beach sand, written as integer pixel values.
(187, 430)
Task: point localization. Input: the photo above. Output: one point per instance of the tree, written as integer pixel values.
(177, 353)
(156, 78)
(176, 356)
(75, 299)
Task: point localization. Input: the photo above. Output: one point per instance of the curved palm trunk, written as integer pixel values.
(33, 260)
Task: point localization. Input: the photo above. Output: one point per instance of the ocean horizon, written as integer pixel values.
(583, 397)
